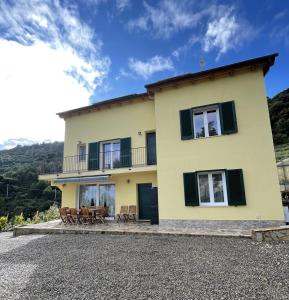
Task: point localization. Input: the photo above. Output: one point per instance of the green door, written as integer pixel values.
(144, 201)
(151, 148)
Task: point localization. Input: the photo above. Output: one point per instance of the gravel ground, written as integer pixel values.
(141, 267)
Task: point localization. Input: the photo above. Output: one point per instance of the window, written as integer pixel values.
(206, 122)
(212, 189)
(98, 194)
(82, 152)
(111, 154)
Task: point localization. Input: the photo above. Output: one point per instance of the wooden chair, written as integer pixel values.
(99, 215)
(74, 216)
(63, 215)
(123, 215)
(85, 216)
(132, 212)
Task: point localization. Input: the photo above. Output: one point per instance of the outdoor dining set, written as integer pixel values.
(95, 215)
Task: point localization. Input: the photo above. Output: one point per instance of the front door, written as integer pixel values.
(144, 201)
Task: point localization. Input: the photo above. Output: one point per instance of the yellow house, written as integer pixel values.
(199, 144)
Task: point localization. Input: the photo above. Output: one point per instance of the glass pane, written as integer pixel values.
(204, 188)
(281, 175)
(82, 152)
(87, 195)
(212, 122)
(107, 156)
(218, 188)
(199, 125)
(116, 155)
(107, 197)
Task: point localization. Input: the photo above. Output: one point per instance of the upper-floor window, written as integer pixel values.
(210, 120)
(110, 154)
(82, 152)
(206, 122)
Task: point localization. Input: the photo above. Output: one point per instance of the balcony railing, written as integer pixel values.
(134, 157)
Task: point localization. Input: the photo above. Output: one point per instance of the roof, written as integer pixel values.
(265, 61)
(101, 104)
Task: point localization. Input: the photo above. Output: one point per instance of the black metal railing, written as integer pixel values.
(134, 157)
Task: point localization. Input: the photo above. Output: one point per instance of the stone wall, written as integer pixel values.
(271, 234)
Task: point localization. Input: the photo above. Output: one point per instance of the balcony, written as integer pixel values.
(101, 161)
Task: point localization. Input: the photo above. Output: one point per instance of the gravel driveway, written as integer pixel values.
(141, 267)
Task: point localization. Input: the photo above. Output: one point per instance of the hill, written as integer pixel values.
(20, 190)
(279, 116)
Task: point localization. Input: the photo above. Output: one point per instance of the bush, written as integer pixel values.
(19, 220)
(3, 223)
(51, 214)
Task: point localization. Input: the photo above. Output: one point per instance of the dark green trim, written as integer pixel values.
(191, 190)
(125, 152)
(93, 156)
(228, 117)
(186, 124)
(235, 187)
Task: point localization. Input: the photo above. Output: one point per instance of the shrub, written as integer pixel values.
(3, 223)
(51, 214)
(36, 219)
(19, 220)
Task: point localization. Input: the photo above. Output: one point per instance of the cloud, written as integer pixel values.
(151, 66)
(225, 33)
(50, 61)
(280, 15)
(121, 5)
(168, 18)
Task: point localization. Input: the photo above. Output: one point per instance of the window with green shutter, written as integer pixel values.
(191, 189)
(208, 120)
(235, 187)
(186, 123)
(93, 156)
(228, 117)
(125, 152)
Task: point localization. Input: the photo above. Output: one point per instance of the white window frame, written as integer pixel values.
(85, 152)
(211, 189)
(111, 152)
(205, 117)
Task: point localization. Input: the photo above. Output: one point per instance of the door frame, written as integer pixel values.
(138, 197)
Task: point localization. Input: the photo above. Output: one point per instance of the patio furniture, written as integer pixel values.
(132, 212)
(85, 216)
(63, 215)
(99, 214)
(74, 216)
(123, 215)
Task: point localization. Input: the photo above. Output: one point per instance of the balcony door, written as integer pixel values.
(111, 154)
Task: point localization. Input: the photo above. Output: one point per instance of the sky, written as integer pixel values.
(58, 55)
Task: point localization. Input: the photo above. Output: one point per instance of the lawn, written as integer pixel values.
(141, 267)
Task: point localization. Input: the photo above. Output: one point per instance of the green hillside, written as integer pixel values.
(20, 190)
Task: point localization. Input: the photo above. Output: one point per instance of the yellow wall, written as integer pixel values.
(251, 149)
(125, 193)
(110, 123)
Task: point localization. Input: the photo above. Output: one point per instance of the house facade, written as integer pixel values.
(203, 141)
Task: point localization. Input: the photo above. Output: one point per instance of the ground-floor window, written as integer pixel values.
(98, 195)
(212, 188)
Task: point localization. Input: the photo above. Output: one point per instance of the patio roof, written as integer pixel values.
(82, 179)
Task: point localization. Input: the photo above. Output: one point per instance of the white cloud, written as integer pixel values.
(50, 62)
(168, 18)
(151, 66)
(121, 5)
(225, 33)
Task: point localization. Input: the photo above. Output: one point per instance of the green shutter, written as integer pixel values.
(93, 156)
(235, 187)
(125, 152)
(191, 189)
(186, 122)
(228, 117)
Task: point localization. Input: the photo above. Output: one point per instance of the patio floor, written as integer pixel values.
(195, 228)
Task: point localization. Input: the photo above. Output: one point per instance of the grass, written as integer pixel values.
(282, 152)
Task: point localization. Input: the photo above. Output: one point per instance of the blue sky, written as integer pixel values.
(57, 55)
